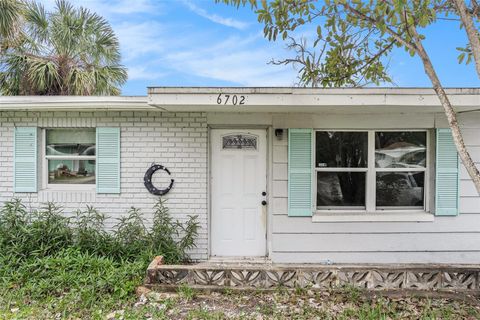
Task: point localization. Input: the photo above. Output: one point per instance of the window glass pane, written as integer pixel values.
(71, 171)
(71, 142)
(341, 189)
(336, 149)
(400, 149)
(400, 189)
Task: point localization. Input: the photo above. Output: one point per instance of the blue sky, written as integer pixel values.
(200, 43)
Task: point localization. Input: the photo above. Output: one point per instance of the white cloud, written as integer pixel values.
(112, 9)
(228, 22)
(142, 72)
(236, 60)
(154, 48)
(140, 39)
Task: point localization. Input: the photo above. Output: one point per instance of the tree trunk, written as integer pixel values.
(449, 111)
(472, 32)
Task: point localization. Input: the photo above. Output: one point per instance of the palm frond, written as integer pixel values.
(43, 75)
(67, 51)
(10, 14)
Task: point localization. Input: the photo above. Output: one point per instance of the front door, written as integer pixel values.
(238, 184)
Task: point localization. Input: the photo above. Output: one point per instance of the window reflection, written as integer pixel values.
(400, 149)
(341, 189)
(336, 149)
(400, 189)
(70, 142)
(71, 171)
(70, 155)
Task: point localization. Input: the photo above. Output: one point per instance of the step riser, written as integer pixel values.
(425, 279)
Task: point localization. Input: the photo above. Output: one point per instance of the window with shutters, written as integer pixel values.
(70, 157)
(371, 170)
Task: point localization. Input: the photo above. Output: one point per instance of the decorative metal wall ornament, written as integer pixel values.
(239, 141)
(147, 180)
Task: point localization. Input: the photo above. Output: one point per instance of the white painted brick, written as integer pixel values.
(177, 141)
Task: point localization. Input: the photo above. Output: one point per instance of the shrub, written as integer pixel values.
(80, 278)
(36, 234)
(165, 231)
(45, 232)
(43, 253)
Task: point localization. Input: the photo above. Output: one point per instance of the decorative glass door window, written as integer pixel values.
(70, 155)
(370, 170)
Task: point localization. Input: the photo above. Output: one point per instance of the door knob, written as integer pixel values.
(264, 203)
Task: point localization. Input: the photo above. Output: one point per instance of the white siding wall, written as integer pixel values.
(176, 140)
(445, 240)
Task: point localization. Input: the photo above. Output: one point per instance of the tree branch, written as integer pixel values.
(471, 31)
(449, 111)
(391, 32)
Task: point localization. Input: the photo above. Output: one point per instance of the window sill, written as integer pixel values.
(70, 187)
(363, 216)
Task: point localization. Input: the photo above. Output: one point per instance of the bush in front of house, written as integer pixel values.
(44, 253)
(45, 232)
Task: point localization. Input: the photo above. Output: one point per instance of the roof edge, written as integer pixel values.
(313, 91)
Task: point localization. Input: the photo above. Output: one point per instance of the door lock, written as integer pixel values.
(264, 193)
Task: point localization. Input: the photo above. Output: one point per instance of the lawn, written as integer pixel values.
(53, 267)
(279, 304)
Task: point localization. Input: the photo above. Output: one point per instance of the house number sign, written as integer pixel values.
(231, 99)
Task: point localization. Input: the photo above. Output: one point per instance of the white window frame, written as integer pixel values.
(45, 158)
(370, 180)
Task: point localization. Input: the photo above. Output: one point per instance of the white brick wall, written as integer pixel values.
(175, 140)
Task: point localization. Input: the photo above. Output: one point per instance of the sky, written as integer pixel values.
(201, 43)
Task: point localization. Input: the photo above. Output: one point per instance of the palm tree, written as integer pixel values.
(10, 17)
(69, 51)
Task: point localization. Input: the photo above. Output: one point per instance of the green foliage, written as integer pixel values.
(44, 255)
(69, 51)
(10, 13)
(69, 271)
(353, 38)
(25, 235)
(165, 231)
(186, 292)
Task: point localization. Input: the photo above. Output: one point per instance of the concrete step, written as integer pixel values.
(215, 275)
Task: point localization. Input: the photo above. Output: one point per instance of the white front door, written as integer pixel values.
(238, 180)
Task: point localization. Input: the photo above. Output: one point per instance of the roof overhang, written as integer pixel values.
(308, 100)
(78, 103)
(248, 100)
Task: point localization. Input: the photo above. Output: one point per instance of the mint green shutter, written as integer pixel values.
(25, 159)
(300, 171)
(447, 175)
(108, 160)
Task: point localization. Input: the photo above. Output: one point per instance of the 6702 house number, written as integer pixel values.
(232, 99)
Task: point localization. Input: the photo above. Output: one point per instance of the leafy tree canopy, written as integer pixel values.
(69, 51)
(354, 38)
(356, 35)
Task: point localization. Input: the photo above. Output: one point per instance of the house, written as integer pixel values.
(298, 175)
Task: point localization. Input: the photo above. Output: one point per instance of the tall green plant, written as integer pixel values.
(69, 51)
(46, 232)
(172, 237)
(11, 12)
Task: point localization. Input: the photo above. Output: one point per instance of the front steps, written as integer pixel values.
(268, 276)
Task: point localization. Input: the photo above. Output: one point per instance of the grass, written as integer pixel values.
(52, 267)
(56, 267)
(80, 300)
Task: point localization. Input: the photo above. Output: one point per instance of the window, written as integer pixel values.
(370, 170)
(70, 156)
